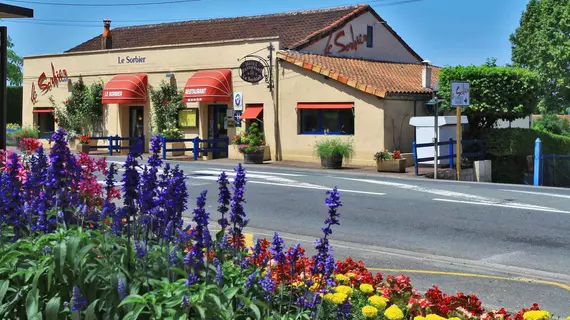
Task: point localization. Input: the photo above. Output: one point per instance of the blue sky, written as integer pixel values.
(447, 32)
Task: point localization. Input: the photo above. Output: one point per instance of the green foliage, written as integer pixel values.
(329, 147)
(251, 141)
(166, 102)
(25, 132)
(496, 93)
(15, 62)
(12, 126)
(14, 97)
(172, 133)
(551, 123)
(541, 43)
(81, 113)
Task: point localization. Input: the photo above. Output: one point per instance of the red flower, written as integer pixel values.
(165, 102)
(67, 101)
(28, 145)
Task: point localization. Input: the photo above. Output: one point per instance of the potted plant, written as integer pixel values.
(333, 151)
(172, 132)
(251, 144)
(84, 143)
(390, 161)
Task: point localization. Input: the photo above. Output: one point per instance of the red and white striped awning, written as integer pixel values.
(126, 89)
(209, 86)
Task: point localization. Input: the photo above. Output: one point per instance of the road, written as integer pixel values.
(507, 244)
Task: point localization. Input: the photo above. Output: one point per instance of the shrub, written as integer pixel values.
(250, 141)
(13, 126)
(166, 102)
(330, 147)
(25, 132)
(552, 123)
(172, 133)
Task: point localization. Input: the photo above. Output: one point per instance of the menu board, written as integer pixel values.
(188, 118)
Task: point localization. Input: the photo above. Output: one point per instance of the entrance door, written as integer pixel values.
(218, 127)
(136, 123)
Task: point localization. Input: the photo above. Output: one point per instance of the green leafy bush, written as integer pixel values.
(172, 133)
(250, 141)
(166, 102)
(13, 126)
(329, 147)
(25, 132)
(552, 123)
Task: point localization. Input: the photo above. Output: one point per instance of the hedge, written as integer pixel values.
(14, 98)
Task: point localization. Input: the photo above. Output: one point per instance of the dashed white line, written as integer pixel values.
(512, 206)
(556, 195)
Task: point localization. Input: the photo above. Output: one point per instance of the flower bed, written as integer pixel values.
(70, 250)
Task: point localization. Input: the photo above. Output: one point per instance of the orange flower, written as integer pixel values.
(124, 220)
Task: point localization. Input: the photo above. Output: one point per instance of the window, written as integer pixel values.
(369, 36)
(188, 118)
(326, 121)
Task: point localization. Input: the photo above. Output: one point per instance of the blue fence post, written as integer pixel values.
(537, 156)
(196, 142)
(117, 143)
(110, 145)
(451, 153)
(415, 153)
(227, 146)
(163, 147)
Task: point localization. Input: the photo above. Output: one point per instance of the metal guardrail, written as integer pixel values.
(451, 155)
(114, 143)
(196, 149)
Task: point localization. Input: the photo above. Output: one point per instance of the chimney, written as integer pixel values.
(106, 38)
(426, 74)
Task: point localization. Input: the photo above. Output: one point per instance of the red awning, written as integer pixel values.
(252, 112)
(325, 105)
(43, 110)
(126, 89)
(209, 86)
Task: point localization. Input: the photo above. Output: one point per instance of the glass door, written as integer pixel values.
(136, 123)
(218, 128)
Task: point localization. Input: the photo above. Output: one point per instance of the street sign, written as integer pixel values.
(459, 93)
(238, 101)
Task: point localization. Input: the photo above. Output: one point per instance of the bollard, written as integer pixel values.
(163, 147)
(537, 156)
(415, 153)
(196, 150)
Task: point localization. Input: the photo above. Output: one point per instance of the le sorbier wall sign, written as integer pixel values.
(251, 71)
(45, 83)
(340, 43)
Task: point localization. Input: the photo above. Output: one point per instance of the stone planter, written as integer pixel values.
(393, 165)
(83, 148)
(73, 145)
(253, 157)
(333, 162)
(175, 145)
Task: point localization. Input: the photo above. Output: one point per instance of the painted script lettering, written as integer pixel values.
(341, 45)
(45, 84)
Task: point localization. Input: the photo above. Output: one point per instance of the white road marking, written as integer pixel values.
(556, 195)
(248, 172)
(512, 205)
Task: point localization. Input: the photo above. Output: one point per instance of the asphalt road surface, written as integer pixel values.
(508, 244)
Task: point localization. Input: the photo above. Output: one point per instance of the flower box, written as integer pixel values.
(254, 157)
(82, 147)
(175, 145)
(332, 162)
(392, 165)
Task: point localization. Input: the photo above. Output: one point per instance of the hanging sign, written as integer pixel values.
(459, 94)
(238, 101)
(251, 71)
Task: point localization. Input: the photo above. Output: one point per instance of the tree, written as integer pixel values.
(14, 69)
(541, 43)
(496, 93)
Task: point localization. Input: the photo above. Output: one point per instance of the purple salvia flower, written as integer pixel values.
(322, 245)
(244, 263)
(192, 279)
(237, 213)
(185, 302)
(201, 219)
(268, 285)
(173, 258)
(223, 199)
(130, 190)
(277, 249)
(140, 250)
(110, 179)
(121, 289)
(12, 199)
(77, 300)
(47, 249)
(343, 310)
(219, 274)
(250, 280)
(224, 244)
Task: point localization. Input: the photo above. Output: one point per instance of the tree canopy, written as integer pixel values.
(496, 92)
(14, 69)
(541, 43)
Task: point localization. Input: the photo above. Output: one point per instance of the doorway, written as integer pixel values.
(136, 123)
(218, 128)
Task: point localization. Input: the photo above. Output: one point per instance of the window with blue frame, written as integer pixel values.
(326, 121)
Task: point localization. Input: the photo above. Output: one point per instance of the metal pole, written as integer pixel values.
(3, 68)
(537, 156)
(459, 147)
(435, 139)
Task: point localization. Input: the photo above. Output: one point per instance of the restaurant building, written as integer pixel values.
(302, 75)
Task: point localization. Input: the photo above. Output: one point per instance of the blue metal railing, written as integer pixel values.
(114, 143)
(451, 155)
(196, 148)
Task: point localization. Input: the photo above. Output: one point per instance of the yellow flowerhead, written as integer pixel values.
(536, 315)
(419, 318)
(568, 318)
(434, 317)
(341, 278)
(394, 313)
(344, 289)
(454, 318)
(369, 312)
(351, 275)
(339, 297)
(328, 297)
(298, 284)
(366, 288)
(314, 287)
(378, 301)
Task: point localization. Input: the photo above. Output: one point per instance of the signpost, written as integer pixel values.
(459, 99)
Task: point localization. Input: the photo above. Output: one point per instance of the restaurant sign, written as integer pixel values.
(251, 71)
(45, 83)
(342, 45)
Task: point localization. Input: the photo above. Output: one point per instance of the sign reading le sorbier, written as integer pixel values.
(251, 71)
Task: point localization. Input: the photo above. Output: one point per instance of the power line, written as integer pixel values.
(101, 4)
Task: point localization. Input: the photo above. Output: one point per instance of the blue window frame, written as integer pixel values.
(326, 121)
(369, 36)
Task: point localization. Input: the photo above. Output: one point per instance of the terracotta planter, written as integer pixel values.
(393, 165)
(333, 162)
(175, 145)
(83, 148)
(253, 157)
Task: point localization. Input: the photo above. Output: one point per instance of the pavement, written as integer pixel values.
(509, 244)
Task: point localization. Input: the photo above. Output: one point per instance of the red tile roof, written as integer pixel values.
(374, 77)
(292, 28)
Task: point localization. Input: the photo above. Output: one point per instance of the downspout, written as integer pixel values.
(415, 114)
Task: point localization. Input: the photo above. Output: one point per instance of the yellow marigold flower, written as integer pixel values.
(351, 275)
(366, 288)
(568, 318)
(344, 289)
(536, 315)
(394, 313)
(314, 287)
(328, 297)
(341, 278)
(369, 312)
(434, 317)
(419, 318)
(454, 318)
(378, 301)
(339, 297)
